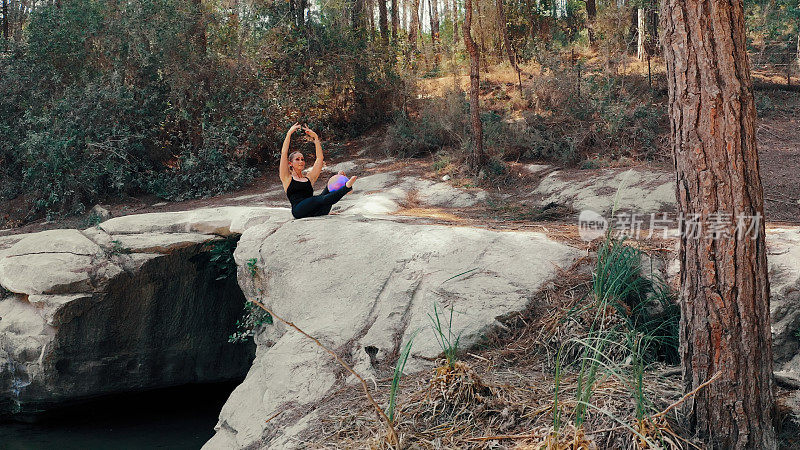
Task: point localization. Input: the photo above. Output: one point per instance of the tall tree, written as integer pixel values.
(725, 325)
(413, 29)
(641, 34)
(591, 14)
(358, 16)
(433, 9)
(5, 23)
(502, 24)
(476, 157)
(395, 20)
(382, 21)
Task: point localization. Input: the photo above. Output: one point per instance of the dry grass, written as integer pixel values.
(503, 395)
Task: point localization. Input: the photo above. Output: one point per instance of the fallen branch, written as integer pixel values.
(687, 396)
(392, 435)
(503, 436)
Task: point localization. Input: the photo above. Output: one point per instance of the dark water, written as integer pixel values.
(178, 418)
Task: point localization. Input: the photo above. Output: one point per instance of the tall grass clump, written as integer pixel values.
(630, 322)
(443, 332)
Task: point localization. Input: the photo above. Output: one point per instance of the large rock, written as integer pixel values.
(363, 287)
(386, 192)
(783, 255)
(636, 190)
(129, 305)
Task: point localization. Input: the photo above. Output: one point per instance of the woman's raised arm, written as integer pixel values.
(283, 169)
(317, 169)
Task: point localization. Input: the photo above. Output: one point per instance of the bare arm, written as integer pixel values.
(283, 170)
(317, 169)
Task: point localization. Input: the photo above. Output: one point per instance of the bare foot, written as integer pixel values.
(351, 181)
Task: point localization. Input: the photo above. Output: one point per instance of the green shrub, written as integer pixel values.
(253, 319)
(104, 99)
(220, 251)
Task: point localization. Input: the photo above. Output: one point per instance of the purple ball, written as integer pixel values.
(337, 182)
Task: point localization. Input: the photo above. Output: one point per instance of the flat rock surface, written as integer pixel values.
(637, 190)
(357, 283)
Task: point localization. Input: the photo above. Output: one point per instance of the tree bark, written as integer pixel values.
(433, 6)
(591, 14)
(725, 324)
(434, 18)
(395, 20)
(382, 21)
(413, 29)
(641, 34)
(358, 15)
(5, 24)
(476, 157)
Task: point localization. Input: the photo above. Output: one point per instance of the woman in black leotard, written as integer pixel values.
(300, 189)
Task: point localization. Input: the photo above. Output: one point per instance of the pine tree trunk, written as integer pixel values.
(725, 325)
(476, 158)
(382, 21)
(434, 18)
(591, 14)
(395, 20)
(413, 29)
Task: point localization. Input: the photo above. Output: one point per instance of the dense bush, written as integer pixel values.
(102, 99)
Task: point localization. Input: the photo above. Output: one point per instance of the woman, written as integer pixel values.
(300, 189)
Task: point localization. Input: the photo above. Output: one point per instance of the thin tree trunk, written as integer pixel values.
(358, 15)
(413, 30)
(395, 20)
(301, 13)
(641, 34)
(725, 324)
(455, 22)
(382, 22)
(503, 26)
(476, 158)
(434, 18)
(591, 14)
(433, 9)
(369, 16)
(5, 24)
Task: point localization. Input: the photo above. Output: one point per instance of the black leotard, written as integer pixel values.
(299, 191)
(306, 204)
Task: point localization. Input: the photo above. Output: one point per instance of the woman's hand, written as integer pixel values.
(310, 133)
(294, 128)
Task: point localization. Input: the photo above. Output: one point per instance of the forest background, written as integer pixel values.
(103, 99)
